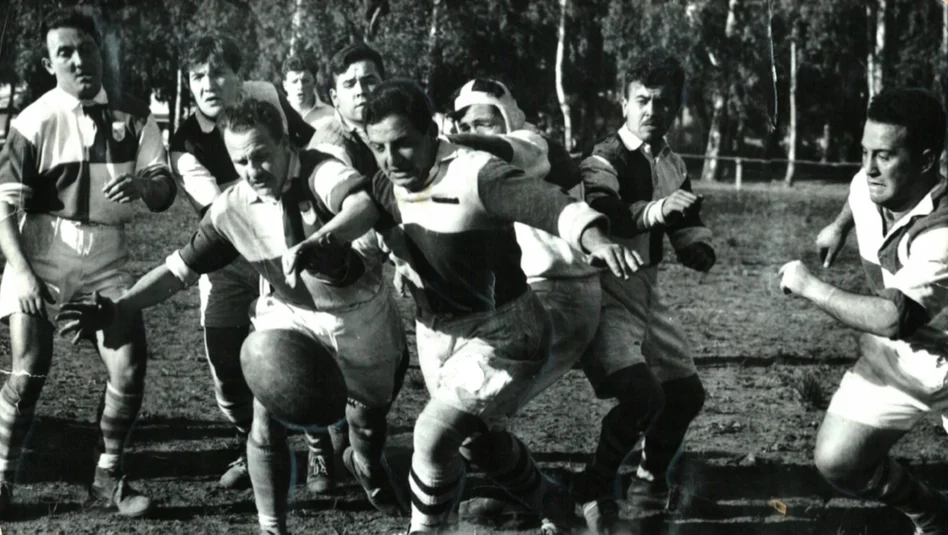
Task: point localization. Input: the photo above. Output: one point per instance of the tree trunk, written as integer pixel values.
(10, 108)
(297, 27)
(709, 172)
(434, 44)
(876, 15)
(560, 91)
(825, 142)
(944, 82)
(177, 112)
(792, 130)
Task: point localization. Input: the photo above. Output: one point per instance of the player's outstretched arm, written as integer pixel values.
(830, 240)
(80, 319)
(870, 314)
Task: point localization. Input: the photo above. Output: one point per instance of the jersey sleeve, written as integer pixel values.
(384, 197)
(197, 182)
(690, 229)
(206, 251)
(920, 288)
(332, 181)
(509, 194)
(151, 161)
(600, 181)
(18, 169)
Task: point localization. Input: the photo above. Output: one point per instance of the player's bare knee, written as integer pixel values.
(440, 430)
(835, 461)
(265, 431)
(22, 389)
(368, 422)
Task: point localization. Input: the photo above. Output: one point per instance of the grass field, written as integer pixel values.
(769, 364)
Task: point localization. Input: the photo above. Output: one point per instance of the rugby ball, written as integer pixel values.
(295, 377)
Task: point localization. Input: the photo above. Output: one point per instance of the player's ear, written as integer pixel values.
(332, 97)
(929, 160)
(48, 65)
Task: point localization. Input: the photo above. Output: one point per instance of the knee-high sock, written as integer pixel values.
(270, 466)
(222, 347)
(664, 439)
(437, 468)
(16, 417)
(119, 411)
(507, 461)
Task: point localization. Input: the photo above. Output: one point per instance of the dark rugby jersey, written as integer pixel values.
(457, 234)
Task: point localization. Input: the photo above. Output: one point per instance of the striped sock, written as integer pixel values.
(434, 494)
(15, 422)
(119, 412)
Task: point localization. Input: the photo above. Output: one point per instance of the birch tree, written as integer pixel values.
(560, 91)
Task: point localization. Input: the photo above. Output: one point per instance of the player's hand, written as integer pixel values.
(301, 255)
(678, 204)
(829, 242)
(81, 319)
(32, 293)
(697, 256)
(794, 277)
(124, 188)
(622, 261)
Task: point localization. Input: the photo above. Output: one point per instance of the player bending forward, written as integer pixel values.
(899, 204)
(636, 179)
(203, 169)
(448, 212)
(74, 162)
(341, 301)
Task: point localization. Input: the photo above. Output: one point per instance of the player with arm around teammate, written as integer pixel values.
(342, 303)
(899, 205)
(203, 170)
(74, 163)
(636, 179)
(448, 213)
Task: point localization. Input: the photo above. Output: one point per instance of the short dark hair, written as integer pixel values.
(917, 109)
(399, 97)
(349, 54)
(70, 18)
(213, 48)
(295, 64)
(656, 67)
(250, 114)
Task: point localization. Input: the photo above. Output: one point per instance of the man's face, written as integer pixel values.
(482, 119)
(403, 153)
(299, 87)
(649, 111)
(258, 159)
(214, 86)
(893, 171)
(352, 88)
(73, 57)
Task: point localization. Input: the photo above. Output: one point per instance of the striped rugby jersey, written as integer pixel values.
(62, 151)
(199, 157)
(240, 223)
(908, 263)
(457, 234)
(625, 181)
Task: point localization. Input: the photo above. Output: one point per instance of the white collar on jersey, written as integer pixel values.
(70, 102)
(633, 143)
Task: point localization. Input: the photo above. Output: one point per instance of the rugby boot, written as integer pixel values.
(558, 511)
(595, 495)
(110, 489)
(377, 484)
(648, 493)
(319, 473)
(237, 477)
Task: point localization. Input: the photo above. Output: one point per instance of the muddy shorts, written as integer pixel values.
(226, 294)
(485, 363)
(893, 384)
(368, 339)
(635, 327)
(72, 258)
